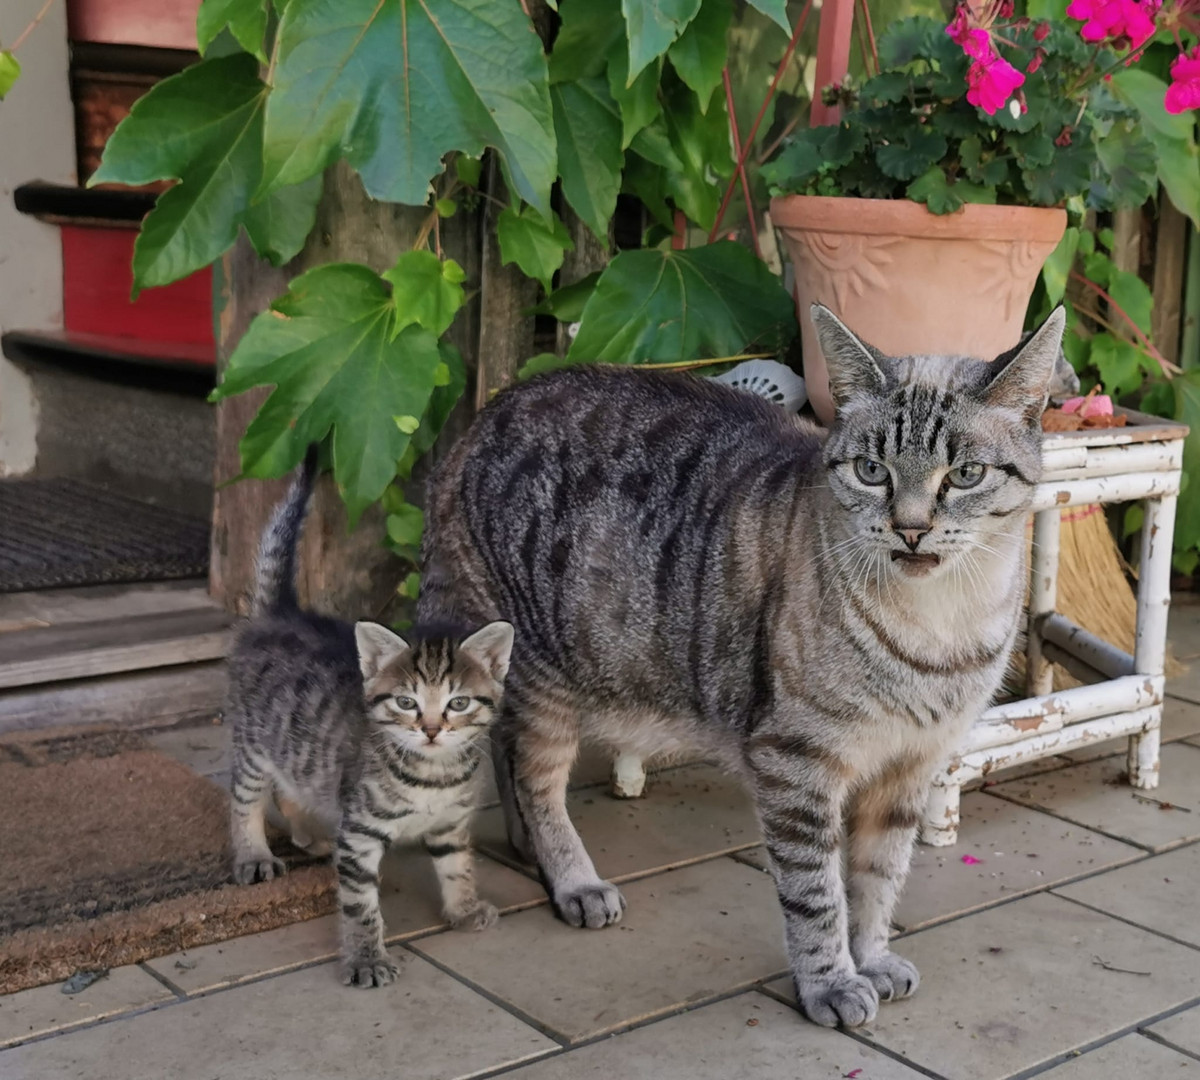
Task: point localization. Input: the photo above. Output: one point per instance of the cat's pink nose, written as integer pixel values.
(911, 535)
(432, 732)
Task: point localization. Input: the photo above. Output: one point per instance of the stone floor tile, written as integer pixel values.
(46, 1008)
(1181, 1030)
(1183, 637)
(687, 814)
(203, 748)
(1013, 987)
(1181, 720)
(426, 1026)
(410, 901)
(687, 935)
(1158, 893)
(1019, 851)
(1092, 795)
(1133, 1057)
(749, 1037)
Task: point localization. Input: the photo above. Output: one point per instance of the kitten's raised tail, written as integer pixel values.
(275, 578)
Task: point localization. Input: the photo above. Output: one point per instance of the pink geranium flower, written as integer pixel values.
(991, 82)
(1184, 91)
(1124, 22)
(975, 42)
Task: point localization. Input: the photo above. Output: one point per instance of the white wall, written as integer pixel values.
(37, 142)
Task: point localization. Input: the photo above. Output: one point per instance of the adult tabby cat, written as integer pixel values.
(826, 613)
(361, 735)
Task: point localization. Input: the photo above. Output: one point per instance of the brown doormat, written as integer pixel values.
(114, 853)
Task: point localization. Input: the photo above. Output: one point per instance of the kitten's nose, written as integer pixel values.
(432, 731)
(911, 534)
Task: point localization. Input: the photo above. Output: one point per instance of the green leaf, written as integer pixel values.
(588, 128)
(393, 86)
(652, 26)
(888, 87)
(425, 291)
(1179, 171)
(10, 72)
(1132, 520)
(1133, 296)
(700, 53)
(681, 305)
(701, 142)
(1098, 267)
(405, 525)
(204, 128)
(1130, 161)
(637, 102)
(468, 170)
(567, 304)
(328, 349)
(1187, 409)
(775, 10)
(911, 154)
(1117, 362)
(1057, 268)
(410, 587)
(800, 160)
(279, 224)
(1144, 92)
(1069, 174)
(537, 248)
(1158, 399)
(543, 362)
(246, 19)
(935, 191)
(446, 208)
(589, 31)
(450, 380)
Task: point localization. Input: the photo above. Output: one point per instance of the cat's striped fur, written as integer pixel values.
(362, 738)
(687, 564)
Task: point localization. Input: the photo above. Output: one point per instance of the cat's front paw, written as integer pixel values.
(479, 917)
(892, 976)
(248, 870)
(845, 1000)
(594, 905)
(369, 970)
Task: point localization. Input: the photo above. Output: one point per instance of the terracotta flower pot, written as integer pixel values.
(909, 281)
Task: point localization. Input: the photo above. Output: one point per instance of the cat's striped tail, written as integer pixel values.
(275, 576)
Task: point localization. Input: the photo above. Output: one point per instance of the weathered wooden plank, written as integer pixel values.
(57, 607)
(590, 255)
(1170, 261)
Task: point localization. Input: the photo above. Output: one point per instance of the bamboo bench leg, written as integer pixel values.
(939, 827)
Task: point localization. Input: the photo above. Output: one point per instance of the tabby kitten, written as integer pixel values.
(359, 735)
(826, 613)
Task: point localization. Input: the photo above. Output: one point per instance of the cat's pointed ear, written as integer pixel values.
(377, 647)
(853, 366)
(1023, 384)
(492, 647)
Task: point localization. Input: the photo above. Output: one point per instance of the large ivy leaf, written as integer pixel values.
(589, 31)
(588, 127)
(1128, 157)
(1057, 268)
(279, 224)
(328, 349)
(537, 248)
(246, 19)
(425, 291)
(699, 54)
(681, 305)
(775, 10)
(1133, 296)
(701, 142)
(1117, 362)
(394, 85)
(653, 25)
(637, 101)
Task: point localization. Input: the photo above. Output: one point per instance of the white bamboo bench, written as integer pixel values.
(1123, 694)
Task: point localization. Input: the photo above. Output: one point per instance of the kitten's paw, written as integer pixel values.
(479, 917)
(595, 905)
(892, 976)
(842, 1000)
(247, 871)
(369, 970)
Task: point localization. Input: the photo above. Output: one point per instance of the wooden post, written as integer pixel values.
(833, 56)
(589, 256)
(1170, 258)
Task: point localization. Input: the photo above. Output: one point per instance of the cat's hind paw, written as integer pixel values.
(479, 917)
(892, 976)
(593, 905)
(840, 1001)
(369, 971)
(252, 868)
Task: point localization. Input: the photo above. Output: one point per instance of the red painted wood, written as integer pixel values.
(162, 24)
(97, 277)
(833, 56)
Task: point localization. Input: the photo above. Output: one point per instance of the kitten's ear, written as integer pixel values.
(492, 647)
(377, 647)
(853, 366)
(1023, 385)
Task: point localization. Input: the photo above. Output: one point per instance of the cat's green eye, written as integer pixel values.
(966, 475)
(870, 472)
(460, 704)
(407, 704)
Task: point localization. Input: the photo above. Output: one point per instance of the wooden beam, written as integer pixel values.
(1170, 261)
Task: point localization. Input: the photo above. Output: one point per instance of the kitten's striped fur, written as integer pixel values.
(361, 737)
(687, 564)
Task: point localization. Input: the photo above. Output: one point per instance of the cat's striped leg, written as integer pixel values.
(801, 791)
(360, 849)
(250, 792)
(883, 824)
(451, 852)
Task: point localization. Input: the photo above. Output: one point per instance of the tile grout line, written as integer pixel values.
(1129, 922)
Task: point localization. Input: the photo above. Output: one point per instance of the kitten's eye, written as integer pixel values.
(407, 704)
(870, 472)
(460, 704)
(967, 475)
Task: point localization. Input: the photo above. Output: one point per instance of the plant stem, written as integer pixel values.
(737, 150)
(32, 26)
(866, 12)
(1162, 361)
(681, 365)
(787, 58)
(1100, 320)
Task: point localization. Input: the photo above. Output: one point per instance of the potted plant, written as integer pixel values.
(924, 217)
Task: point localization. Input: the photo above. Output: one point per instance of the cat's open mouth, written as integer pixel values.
(916, 563)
